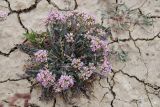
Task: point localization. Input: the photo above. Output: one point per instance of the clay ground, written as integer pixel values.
(134, 83)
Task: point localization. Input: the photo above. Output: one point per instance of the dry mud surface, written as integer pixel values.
(135, 83)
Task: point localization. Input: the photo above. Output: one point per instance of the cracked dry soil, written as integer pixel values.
(134, 83)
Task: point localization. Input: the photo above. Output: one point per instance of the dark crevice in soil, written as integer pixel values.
(76, 5)
(11, 50)
(7, 54)
(58, 8)
(137, 39)
(155, 87)
(12, 80)
(20, 21)
(154, 17)
(54, 103)
(111, 85)
(9, 6)
(33, 6)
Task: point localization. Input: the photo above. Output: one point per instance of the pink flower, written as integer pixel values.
(105, 67)
(104, 43)
(105, 48)
(87, 16)
(64, 82)
(3, 15)
(95, 44)
(45, 77)
(70, 14)
(41, 56)
(87, 71)
(54, 16)
(76, 63)
(101, 32)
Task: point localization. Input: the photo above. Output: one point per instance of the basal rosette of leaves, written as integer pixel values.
(70, 55)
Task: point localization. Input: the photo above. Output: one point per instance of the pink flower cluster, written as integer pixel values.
(45, 77)
(96, 43)
(54, 16)
(3, 15)
(87, 71)
(64, 82)
(105, 67)
(90, 20)
(41, 56)
(76, 63)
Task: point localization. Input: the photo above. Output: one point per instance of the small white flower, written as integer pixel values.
(69, 37)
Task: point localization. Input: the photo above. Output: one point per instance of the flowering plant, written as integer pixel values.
(70, 55)
(123, 18)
